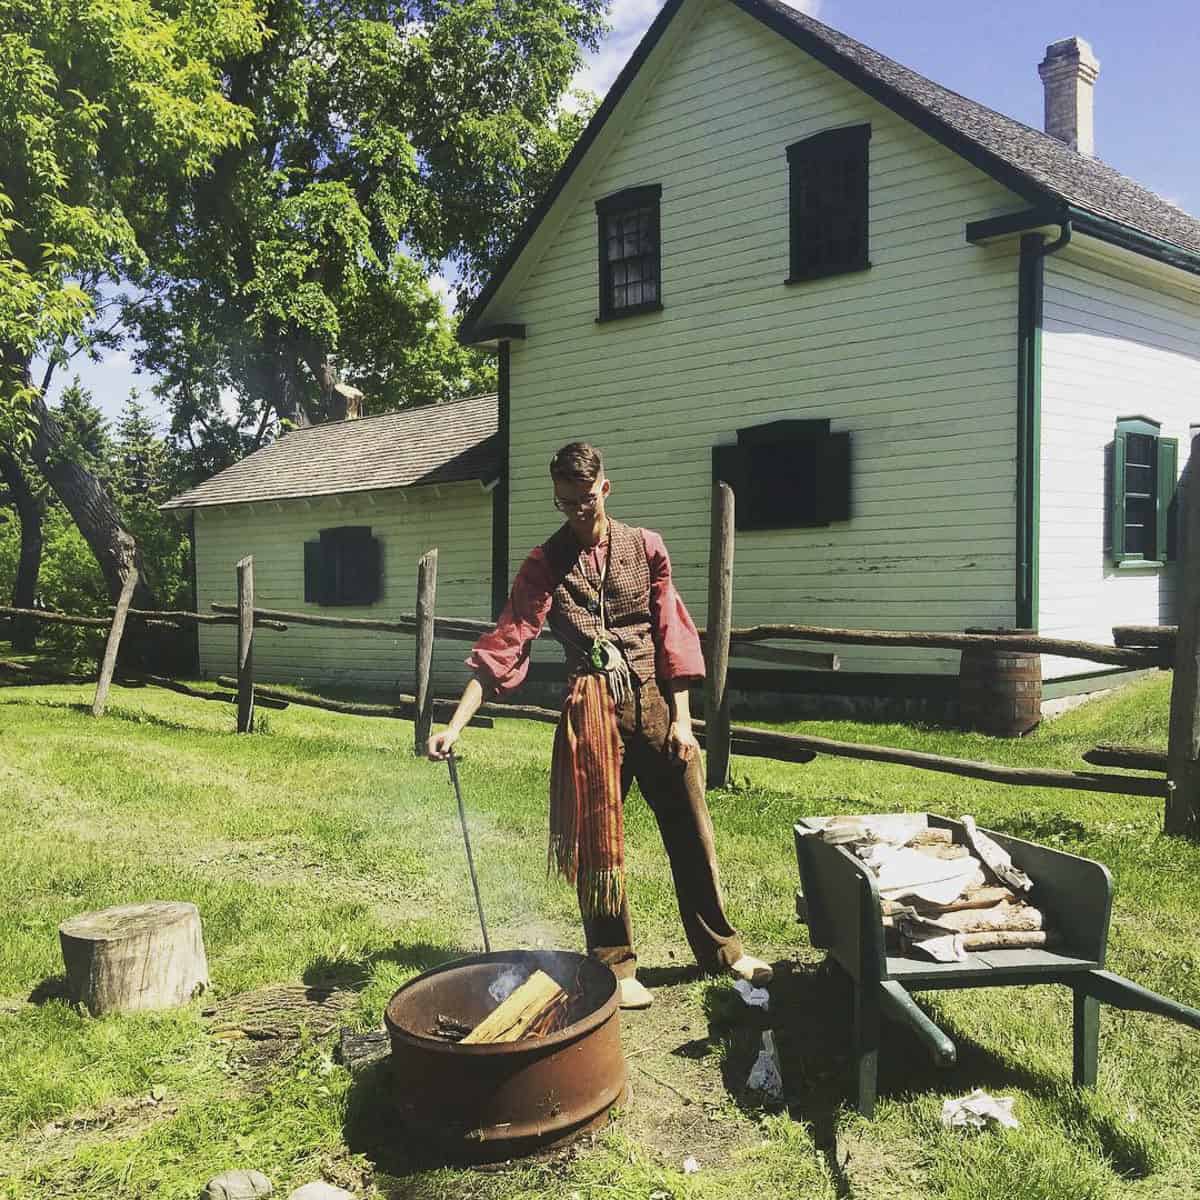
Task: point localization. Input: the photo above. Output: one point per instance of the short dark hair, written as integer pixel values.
(577, 462)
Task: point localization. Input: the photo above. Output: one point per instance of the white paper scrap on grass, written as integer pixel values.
(765, 1075)
(901, 872)
(755, 997)
(977, 1110)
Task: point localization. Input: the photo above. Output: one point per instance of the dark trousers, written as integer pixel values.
(675, 794)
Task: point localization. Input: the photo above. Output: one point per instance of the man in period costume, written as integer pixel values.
(632, 652)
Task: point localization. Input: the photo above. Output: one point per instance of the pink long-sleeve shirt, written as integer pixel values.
(500, 659)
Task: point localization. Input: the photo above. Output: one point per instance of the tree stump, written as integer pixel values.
(134, 957)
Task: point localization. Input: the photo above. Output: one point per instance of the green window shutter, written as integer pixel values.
(1166, 508)
(1117, 500)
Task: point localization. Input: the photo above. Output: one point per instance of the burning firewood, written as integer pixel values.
(448, 1029)
(530, 1011)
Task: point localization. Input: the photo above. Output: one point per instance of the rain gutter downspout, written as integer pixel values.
(1030, 298)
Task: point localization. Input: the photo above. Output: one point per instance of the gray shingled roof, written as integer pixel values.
(1044, 160)
(1035, 165)
(437, 443)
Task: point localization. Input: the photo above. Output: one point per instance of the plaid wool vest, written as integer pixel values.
(574, 612)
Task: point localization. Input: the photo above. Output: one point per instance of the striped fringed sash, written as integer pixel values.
(587, 834)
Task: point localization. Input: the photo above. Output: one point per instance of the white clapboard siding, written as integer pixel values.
(456, 518)
(1115, 344)
(915, 357)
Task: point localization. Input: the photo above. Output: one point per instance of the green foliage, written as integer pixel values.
(386, 142)
(104, 106)
(140, 470)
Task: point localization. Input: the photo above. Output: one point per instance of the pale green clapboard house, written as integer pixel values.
(913, 333)
(948, 362)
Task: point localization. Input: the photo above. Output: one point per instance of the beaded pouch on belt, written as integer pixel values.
(606, 659)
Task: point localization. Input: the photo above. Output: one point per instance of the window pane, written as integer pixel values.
(1139, 527)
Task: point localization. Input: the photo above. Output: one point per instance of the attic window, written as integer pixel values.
(630, 261)
(828, 203)
(342, 567)
(787, 475)
(1141, 516)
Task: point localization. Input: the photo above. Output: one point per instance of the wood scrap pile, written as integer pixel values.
(941, 898)
(536, 1008)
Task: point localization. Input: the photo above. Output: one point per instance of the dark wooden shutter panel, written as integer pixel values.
(314, 573)
(352, 563)
(833, 478)
(1167, 508)
(729, 466)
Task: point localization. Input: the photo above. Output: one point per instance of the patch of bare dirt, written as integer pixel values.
(57, 1140)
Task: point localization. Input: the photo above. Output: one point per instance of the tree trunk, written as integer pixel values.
(91, 507)
(339, 401)
(30, 509)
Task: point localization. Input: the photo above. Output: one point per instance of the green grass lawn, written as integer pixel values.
(319, 849)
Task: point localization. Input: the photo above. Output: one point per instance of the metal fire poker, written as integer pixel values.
(462, 816)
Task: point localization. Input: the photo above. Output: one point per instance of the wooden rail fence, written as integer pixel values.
(1165, 647)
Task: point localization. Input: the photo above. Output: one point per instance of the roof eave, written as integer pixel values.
(489, 336)
(473, 318)
(1089, 224)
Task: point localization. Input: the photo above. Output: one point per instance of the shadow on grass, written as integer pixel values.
(53, 987)
(411, 956)
(811, 1016)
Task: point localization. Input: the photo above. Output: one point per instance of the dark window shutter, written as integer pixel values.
(352, 565)
(829, 203)
(1117, 499)
(314, 573)
(833, 478)
(360, 570)
(729, 466)
(1166, 534)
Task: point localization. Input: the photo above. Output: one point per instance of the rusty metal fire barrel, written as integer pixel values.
(1000, 691)
(501, 1100)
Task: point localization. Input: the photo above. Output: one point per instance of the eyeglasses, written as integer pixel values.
(587, 504)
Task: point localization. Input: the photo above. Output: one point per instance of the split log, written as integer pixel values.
(134, 957)
(935, 835)
(113, 646)
(716, 647)
(1130, 785)
(523, 1008)
(1141, 636)
(981, 897)
(946, 850)
(1135, 758)
(406, 710)
(1000, 939)
(1009, 918)
(782, 656)
(55, 618)
(1032, 643)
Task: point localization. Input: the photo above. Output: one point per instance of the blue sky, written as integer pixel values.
(1147, 94)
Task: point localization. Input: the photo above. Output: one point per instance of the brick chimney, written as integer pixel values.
(1068, 74)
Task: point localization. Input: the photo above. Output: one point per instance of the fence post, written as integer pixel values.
(426, 602)
(720, 622)
(1182, 811)
(245, 645)
(115, 632)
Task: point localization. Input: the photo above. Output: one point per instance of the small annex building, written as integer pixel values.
(949, 364)
(336, 517)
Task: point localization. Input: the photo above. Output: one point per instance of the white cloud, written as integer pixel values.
(630, 19)
(117, 360)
